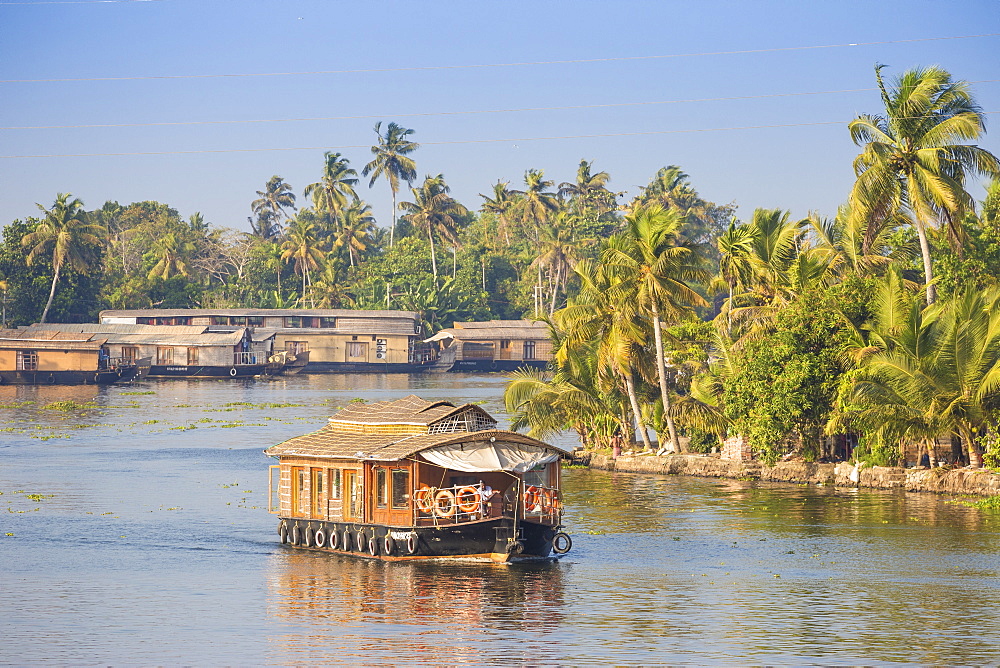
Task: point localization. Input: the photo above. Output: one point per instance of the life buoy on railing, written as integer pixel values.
(444, 504)
(424, 498)
(412, 543)
(547, 498)
(283, 532)
(532, 499)
(232, 372)
(373, 546)
(468, 499)
(334, 541)
(320, 537)
(389, 545)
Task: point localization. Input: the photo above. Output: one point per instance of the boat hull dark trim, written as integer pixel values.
(497, 365)
(484, 540)
(181, 371)
(67, 377)
(362, 367)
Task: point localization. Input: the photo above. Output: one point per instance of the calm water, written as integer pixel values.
(155, 547)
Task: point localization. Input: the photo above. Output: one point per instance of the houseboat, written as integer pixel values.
(336, 340)
(59, 358)
(492, 345)
(191, 351)
(415, 479)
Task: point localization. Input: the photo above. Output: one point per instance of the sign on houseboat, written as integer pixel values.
(414, 479)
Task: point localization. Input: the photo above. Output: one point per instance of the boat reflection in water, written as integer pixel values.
(431, 613)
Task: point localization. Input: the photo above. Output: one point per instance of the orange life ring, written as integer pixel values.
(468, 499)
(424, 498)
(446, 509)
(532, 499)
(548, 500)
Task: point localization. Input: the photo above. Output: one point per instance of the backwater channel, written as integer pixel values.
(152, 544)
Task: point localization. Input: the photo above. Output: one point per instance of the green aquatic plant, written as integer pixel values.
(124, 394)
(69, 405)
(39, 497)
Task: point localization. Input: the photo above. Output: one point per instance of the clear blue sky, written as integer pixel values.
(801, 168)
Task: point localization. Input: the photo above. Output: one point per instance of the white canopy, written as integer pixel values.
(440, 336)
(482, 456)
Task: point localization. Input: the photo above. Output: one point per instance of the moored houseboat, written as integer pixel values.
(492, 345)
(414, 479)
(60, 358)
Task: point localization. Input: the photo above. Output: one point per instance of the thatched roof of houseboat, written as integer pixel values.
(394, 430)
(332, 444)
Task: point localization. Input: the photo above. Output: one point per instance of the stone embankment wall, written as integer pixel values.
(979, 482)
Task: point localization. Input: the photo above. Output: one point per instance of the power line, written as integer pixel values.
(607, 105)
(433, 143)
(498, 65)
(76, 2)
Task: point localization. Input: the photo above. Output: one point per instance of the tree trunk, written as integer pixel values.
(52, 292)
(661, 370)
(555, 289)
(925, 253)
(392, 230)
(434, 264)
(637, 414)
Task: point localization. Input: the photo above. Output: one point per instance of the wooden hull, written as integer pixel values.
(491, 540)
(363, 367)
(68, 377)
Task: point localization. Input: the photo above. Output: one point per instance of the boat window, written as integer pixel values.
(27, 360)
(355, 489)
(293, 321)
(302, 482)
(130, 353)
(164, 355)
(317, 492)
(334, 483)
(538, 476)
(529, 350)
(192, 356)
(329, 323)
(400, 488)
(220, 320)
(381, 488)
(238, 320)
(255, 321)
(297, 347)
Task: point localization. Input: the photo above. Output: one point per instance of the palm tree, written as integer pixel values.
(171, 252)
(392, 163)
(501, 205)
(434, 211)
(270, 207)
(356, 230)
(302, 248)
(589, 191)
(72, 235)
(558, 252)
(654, 265)
(536, 204)
(910, 157)
(335, 189)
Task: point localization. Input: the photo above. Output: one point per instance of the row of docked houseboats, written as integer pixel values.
(413, 479)
(237, 343)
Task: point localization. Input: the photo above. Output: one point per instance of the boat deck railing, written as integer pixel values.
(467, 503)
(245, 358)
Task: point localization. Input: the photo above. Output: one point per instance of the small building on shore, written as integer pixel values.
(337, 340)
(493, 345)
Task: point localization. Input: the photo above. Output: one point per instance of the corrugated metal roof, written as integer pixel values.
(25, 339)
(493, 324)
(189, 340)
(308, 312)
(99, 328)
(327, 442)
(496, 333)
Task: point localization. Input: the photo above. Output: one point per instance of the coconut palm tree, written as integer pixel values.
(302, 248)
(355, 231)
(73, 238)
(589, 191)
(558, 254)
(434, 211)
(392, 162)
(536, 204)
(332, 193)
(270, 206)
(911, 158)
(171, 252)
(654, 265)
(501, 205)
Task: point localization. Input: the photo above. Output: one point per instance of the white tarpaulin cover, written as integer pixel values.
(481, 456)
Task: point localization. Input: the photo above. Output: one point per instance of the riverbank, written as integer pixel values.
(943, 480)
